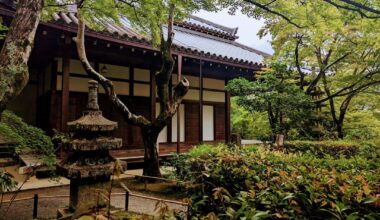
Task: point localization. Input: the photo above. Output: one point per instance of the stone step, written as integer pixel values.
(6, 154)
(7, 161)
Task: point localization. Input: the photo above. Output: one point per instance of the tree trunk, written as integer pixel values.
(18, 44)
(342, 114)
(339, 130)
(169, 105)
(151, 162)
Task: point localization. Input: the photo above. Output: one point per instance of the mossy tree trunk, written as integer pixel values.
(15, 53)
(168, 105)
(151, 162)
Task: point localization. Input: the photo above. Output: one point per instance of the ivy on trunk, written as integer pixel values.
(15, 53)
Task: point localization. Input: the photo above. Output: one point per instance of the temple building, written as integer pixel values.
(206, 53)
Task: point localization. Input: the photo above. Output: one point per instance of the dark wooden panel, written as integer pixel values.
(141, 106)
(192, 122)
(220, 122)
(130, 134)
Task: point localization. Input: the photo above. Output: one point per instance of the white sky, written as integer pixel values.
(248, 28)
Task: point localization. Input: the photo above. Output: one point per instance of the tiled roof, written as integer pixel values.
(216, 47)
(205, 26)
(188, 40)
(185, 39)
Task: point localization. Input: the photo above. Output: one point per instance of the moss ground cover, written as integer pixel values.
(256, 183)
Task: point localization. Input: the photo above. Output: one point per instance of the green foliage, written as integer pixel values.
(255, 183)
(321, 148)
(363, 119)
(249, 125)
(3, 30)
(334, 43)
(7, 182)
(28, 139)
(275, 93)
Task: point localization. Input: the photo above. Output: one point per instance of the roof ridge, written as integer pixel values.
(251, 49)
(229, 30)
(243, 46)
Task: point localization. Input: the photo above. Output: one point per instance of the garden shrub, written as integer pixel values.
(27, 138)
(255, 183)
(322, 148)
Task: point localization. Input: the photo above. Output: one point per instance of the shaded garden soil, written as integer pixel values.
(161, 189)
(47, 207)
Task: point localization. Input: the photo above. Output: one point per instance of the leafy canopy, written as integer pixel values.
(275, 93)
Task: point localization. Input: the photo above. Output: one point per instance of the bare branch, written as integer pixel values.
(323, 71)
(342, 92)
(296, 52)
(356, 7)
(107, 84)
(266, 8)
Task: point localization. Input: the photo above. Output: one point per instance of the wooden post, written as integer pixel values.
(200, 102)
(179, 78)
(152, 95)
(130, 100)
(227, 114)
(131, 81)
(35, 206)
(65, 84)
(126, 205)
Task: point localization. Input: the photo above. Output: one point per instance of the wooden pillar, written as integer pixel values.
(200, 102)
(227, 114)
(130, 102)
(179, 78)
(152, 95)
(131, 81)
(65, 107)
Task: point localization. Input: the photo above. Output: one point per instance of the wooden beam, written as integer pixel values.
(228, 114)
(65, 108)
(152, 95)
(200, 102)
(179, 78)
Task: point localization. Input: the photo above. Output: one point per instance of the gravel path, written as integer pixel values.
(47, 207)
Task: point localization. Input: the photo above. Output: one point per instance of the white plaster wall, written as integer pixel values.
(174, 79)
(192, 94)
(141, 90)
(193, 80)
(163, 137)
(121, 88)
(182, 124)
(208, 123)
(213, 96)
(75, 66)
(213, 83)
(78, 84)
(114, 71)
(142, 75)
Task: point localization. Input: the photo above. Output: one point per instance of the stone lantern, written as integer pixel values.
(89, 164)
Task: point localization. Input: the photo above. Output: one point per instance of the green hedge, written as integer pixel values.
(323, 148)
(27, 138)
(256, 183)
